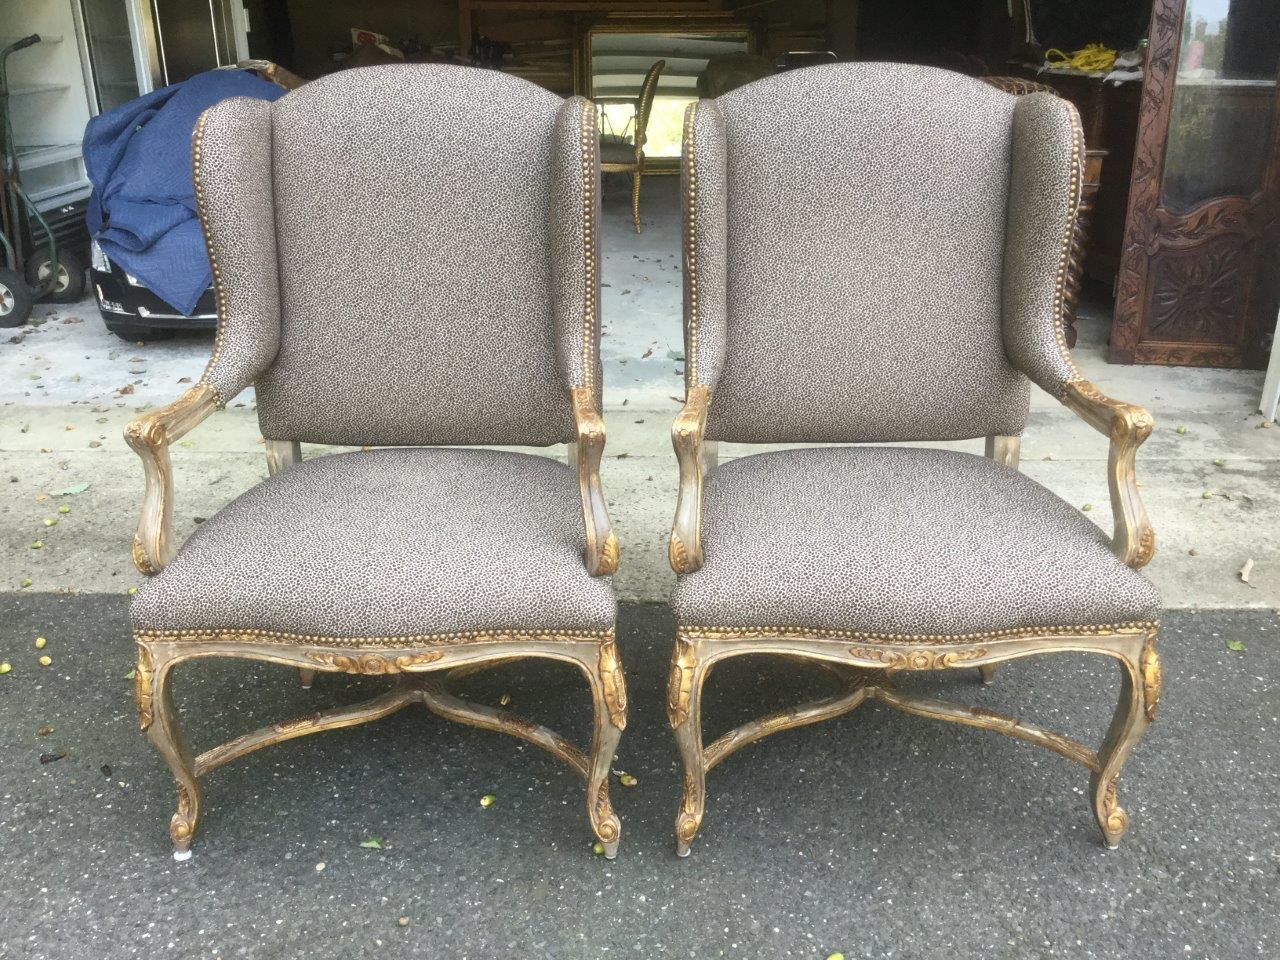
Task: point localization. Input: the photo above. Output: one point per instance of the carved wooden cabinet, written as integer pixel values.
(1199, 280)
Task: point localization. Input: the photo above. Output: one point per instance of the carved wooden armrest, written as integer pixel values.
(150, 435)
(685, 547)
(602, 546)
(1128, 426)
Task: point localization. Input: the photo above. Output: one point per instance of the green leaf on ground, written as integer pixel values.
(373, 843)
(1235, 646)
(71, 490)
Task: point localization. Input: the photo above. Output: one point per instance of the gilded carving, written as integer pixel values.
(690, 816)
(680, 682)
(615, 686)
(1114, 820)
(297, 723)
(375, 663)
(610, 554)
(183, 823)
(918, 659)
(606, 824)
(142, 676)
(677, 554)
(1151, 679)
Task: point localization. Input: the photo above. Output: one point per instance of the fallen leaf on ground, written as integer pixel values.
(52, 757)
(1246, 570)
(71, 490)
(373, 843)
(1235, 646)
(125, 390)
(487, 800)
(44, 731)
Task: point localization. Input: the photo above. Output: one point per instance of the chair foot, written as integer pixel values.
(308, 677)
(610, 850)
(988, 672)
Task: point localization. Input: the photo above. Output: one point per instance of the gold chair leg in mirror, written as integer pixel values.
(308, 677)
(987, 672)
(635, 199)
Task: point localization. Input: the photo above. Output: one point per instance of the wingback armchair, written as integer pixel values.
(888, 265)
(404, 257)
(622, 157)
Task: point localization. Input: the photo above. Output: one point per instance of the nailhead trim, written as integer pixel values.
(588, 140)
(417, 640)
(219, 291)
(1068, 239)
(847, 636)
(691, 243)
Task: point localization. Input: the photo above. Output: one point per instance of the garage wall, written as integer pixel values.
(318, 27)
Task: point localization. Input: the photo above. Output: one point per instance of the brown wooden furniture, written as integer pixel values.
(1198, 283)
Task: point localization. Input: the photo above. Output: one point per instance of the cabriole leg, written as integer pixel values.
(308, 677)
(159, 720)
(684, 712)
(609, 696)
(1139, 694)
(988, 672)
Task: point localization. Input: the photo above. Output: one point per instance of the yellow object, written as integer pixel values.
(1095, 57)
(487, 800)
(40, 642)
(5, 667)
(45, 661)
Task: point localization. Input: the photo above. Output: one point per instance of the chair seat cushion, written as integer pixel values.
(392, 543)
(612, 151)
(911, 542)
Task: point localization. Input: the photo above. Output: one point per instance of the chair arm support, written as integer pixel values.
(602, 552)
(1127, 426)
(150, 435)
(684, 550)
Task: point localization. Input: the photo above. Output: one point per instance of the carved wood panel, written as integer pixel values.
(1192, 288)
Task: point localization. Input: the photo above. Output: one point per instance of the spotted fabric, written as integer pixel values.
(1044, 199)
(231, 167)
(702, 179)
(389, 543)
(899, 540)
(864, 250)
(575, 238)
(423, 229)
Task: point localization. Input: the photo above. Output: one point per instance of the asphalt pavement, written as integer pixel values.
(875, 835)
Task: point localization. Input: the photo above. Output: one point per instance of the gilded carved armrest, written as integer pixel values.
(602, 546)
(1127, 426)
(149, 436)
(685, 547)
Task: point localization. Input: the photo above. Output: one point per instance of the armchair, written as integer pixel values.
(906, 293)
(420, 557)
(624, 157)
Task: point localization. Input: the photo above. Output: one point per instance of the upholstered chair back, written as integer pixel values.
(867, 246)
(404, 255)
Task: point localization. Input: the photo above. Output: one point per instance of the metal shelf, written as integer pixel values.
(24, 89)
(44, 155)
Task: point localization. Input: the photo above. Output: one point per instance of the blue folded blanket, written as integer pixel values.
(142, 210)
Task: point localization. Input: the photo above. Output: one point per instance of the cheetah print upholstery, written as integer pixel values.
(902, 541)
(426, 219)
(866, 252)
(389, 543)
